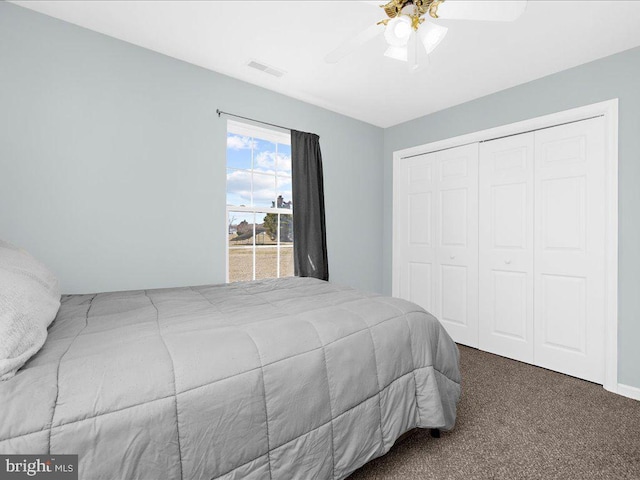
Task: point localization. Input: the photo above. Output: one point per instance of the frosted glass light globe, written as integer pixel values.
(398, 31)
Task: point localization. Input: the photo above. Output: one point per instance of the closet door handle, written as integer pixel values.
(508, 262)
(452, 257)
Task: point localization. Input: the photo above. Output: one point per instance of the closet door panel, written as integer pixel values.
(416, 217)
(570, 226)
(420, 284)
(506, 247)
(457, 243)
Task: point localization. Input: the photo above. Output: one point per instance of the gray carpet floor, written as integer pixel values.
(517, 421)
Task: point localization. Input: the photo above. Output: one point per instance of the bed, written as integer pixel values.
(282, 379)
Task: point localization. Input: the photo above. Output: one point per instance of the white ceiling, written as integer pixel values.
(475, 58)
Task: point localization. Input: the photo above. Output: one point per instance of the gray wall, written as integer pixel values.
(112, 161)
(616, 76)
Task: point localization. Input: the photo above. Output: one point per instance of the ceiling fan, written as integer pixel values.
(406, 25)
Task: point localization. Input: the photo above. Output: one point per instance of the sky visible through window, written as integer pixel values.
(258, 171)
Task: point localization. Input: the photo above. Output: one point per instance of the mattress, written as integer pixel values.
(281, 379)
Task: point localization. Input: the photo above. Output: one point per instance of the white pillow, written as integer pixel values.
(29, 301)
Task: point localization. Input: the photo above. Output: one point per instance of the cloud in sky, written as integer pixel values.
(264, 188)
(237, 142)
(266, 162)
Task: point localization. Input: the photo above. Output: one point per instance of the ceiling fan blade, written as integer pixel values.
(487, 10)
(353, 43)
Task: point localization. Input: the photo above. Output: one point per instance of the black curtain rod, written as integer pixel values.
(220, 112)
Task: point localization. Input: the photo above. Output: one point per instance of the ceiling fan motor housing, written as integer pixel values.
(420, 7)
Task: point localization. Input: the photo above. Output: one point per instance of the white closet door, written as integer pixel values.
(569, 251)
(416, 232)
(437, 221)
(457, 243)
(506, 247)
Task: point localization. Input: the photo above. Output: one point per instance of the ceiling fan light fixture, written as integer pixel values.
(404, 17)
(397, 53)
(398, 31)
(431, 35)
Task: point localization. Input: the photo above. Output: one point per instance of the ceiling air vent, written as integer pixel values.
(266, 68)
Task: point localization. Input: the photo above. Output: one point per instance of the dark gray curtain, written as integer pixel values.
(309, 230)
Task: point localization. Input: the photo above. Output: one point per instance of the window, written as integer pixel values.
(259, 206)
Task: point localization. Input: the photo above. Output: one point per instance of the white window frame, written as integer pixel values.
(271, 135)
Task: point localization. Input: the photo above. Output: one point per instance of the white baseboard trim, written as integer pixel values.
(628, 391)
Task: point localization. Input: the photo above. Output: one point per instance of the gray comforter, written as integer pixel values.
(284, 379)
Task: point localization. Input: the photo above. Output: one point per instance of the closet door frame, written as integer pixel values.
(609, 111)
